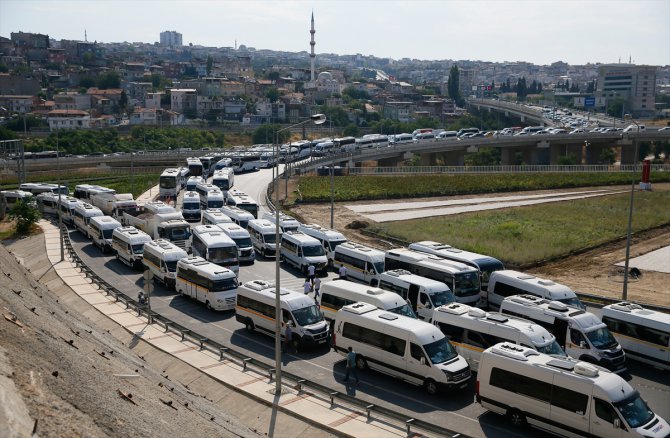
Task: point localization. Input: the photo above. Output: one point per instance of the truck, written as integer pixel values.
(161, 223)
(114, 204)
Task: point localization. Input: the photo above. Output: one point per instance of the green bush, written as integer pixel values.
(25, 214)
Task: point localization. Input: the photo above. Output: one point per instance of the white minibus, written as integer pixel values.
(472, 330)
(213, 199)
(160, 256)
(581, 334)
(643, 333)
(224, 179)
(195, 167)
(401, 138)
(183, 176)
(483, 263)
(565, 398)
(9, 198)
(169, 184)
(301, 250)
(336, 294)
(237, 215)
(83, 191)
(412, 350)
(206, 282)
(238, 198)
(213, 245)
(506, 283)
(330, 239)
(214, 216)
(37, 188)
(286, 222)
(192, 182)
(463, 280)
(362, 262)
(47, 203)
(67, 206)
(423, 294)
(242, 239)
(255, 308)
(190, 207)
(128, 244)
(83, 212)
(263, 235)
(203, 187)
(100, 230)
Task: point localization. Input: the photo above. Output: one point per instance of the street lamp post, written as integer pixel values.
(60, 211)
(630, 217)
(317, 119)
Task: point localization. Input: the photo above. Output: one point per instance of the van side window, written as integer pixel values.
(455, 334)
(520, 384)
(507, 290)
(569, 400)
(334, 302)
(416, 352)
(604, 410)
(373, 338)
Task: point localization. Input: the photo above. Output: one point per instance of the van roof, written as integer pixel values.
(450, 252)
(536, 305)
(406, 276)
(362, 292)
(315, 229)
(532, 283)
(293, 300)
(299, 237)
(632, 312)
(105, 221)
(356, 248)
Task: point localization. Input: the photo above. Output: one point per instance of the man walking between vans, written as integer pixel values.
(343, 272)
(311, 271)
(307, 287)
(288, 336)
(317, 288)
(351, 366)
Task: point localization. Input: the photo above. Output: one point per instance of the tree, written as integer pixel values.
(453, 86)
(25, 214)
(607, 156)
(108, 80)
(123, 101)
(266, 133)
(272, 93)
(273, 76)
(87, 82)
(351, 130)
(615, 107)
(210, 61)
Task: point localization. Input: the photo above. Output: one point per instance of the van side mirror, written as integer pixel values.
(582, 344)
(617, 423)
(422, 360)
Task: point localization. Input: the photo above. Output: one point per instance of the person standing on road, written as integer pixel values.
(311, 270)
(343, 272)
(317, 288)
(288, 336)
(307, 287)
(141, 299)
(351, 366)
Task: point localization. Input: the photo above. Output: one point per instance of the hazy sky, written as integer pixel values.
(538, 31)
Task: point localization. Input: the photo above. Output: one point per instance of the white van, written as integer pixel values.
(301, 250)
(562, 397)
(328, 238)
(362, 262)
(213, 199)
(47, 203)
(214, 217)
(472, 330)
(263, 235)
(9, 198)
(286, 222)
(444, 135)
(224, 179)
(206, 282)
(213, 245)
(422, 293)
(190, 207)
(160, 256)
(506, 283)
(336, 294)
(128, 243)
(581, 334)
(67, 206)
(643, 333)
(402, 347)
(255, 308)
(192, 182)
(100, 229)
(83, 213)
(242, 239)
(634, 128)
(239, 216)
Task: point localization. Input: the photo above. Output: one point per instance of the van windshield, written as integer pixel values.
(215, 204)
(440, 351)
(138, 248)
(312, 251)
(602, 339)
(634, 410)
(222, 255)
(107, 234)
(405, 310)
(223, 284)
(467, 284)
(307, 315)
(573, 302)
(333, 244)
(243, 242)
(551, 348)
(441, 298)
(379, 267)
(270, 238)
(191, 206)
(171, 266)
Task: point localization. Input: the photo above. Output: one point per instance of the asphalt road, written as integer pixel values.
(454, 410)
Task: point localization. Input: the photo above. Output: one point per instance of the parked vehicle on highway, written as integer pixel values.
(412, 350)
(340, 144)
(238, 198)
(9, 198)
(255, 308)
(128, 244)
(330, 239)
(263, 236)
(423, 294)
(47, 203)
(114, 204)
(634, 128)
(461, 132)
(565, 398)
(183, 176)
(67, 206)
(237, 215)
(160, 256)
(463, 280)
(300, 250)
(581, 334)
(643, 333)
(242, 239)
(401, 138)
(83, 213)
(472, 330)
(483, 263)
(83, 191)
(214, 216)
(336, 294)
(213, 199)
(530, 130)
(286, 222)
(213, 245)
(169, 183)
(37, 188)
(190, 207)
(362, 262)
(100, 229)
(160, 220)
(447, 135)
(206, 282)
(505, 283)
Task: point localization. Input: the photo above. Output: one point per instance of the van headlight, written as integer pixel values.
(447, 375)
(218, 300)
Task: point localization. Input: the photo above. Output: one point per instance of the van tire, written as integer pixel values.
(431, 386)
(249, 325)
(516, 418)
(208, 305)
(361, 363)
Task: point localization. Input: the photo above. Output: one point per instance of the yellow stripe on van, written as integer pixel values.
(468, 346)
(196, 286)
(329, 308)
(641, 341)
(254, 312)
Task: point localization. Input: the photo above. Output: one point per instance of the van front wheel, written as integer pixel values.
(516, 418)
(431, 386)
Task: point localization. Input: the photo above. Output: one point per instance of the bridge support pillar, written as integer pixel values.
(428, 159)
(388, 162)
(506, 157)
(454, 158)
(627, 153)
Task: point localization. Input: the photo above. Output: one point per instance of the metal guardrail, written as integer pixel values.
(245, 361)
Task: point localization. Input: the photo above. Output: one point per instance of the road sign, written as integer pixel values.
(148, 275)
(148, 287)
(589, 101)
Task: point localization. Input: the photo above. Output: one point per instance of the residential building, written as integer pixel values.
(401, 111)
(18, 103)
(72, 101)
(183, 100)
(170, 38)
(68, 119)
(635, 84)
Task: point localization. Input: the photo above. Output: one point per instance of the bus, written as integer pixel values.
(208, 163)
(344, 144)
(195, 167)
(37, 188)
(169, 185)
(212, 244)
(239, 199)
(206, 282)
(462, 279)
(47, 203)
(246, 161)
(224, 179)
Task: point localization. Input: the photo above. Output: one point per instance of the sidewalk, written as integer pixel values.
(257, 388)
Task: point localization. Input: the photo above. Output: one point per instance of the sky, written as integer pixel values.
(536, 31)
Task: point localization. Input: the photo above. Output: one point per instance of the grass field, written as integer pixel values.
(519, 236)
